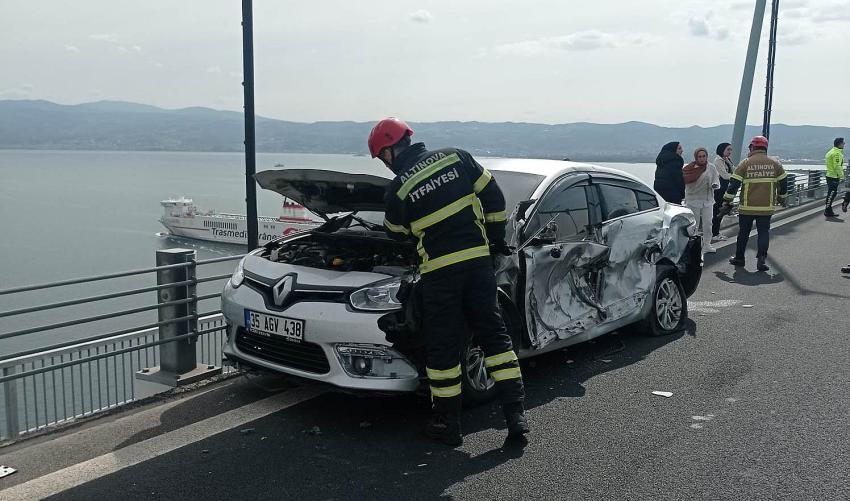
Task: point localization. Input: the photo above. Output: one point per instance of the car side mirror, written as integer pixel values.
(522, 208)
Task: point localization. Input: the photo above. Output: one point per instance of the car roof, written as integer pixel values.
(550, 169)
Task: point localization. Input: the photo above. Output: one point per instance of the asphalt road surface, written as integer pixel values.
(759, 410)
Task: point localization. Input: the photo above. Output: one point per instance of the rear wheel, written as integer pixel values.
(669, 305)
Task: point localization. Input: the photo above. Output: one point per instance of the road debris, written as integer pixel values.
(421, 465)
(246, 431)
(571, 361)
(365, 424)
(665, 394)
(5, 471)
(746, 306)
(205, 451)
(314, 431)
(605, 360)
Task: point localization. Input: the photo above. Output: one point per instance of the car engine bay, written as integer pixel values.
(369, 251)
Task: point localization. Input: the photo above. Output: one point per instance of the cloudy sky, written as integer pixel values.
(670, 62)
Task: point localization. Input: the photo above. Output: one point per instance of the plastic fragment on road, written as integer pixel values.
(5, 471)
(570, 361)
(365, 424)
(665, 394)
(746, 306)
(314, 431)
(246, 431)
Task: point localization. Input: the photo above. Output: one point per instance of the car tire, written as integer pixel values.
(478, 387)
(669, 309)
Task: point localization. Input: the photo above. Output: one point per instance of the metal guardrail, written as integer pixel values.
(76, 378)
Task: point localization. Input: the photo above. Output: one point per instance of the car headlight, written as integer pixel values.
(380, 296)
(238, 275)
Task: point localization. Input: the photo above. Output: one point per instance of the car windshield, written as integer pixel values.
(516, 186)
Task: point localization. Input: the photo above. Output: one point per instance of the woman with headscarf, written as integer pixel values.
(701, 180)
(668, 173)
(724, 167)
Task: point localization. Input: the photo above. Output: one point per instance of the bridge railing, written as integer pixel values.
(88, 373)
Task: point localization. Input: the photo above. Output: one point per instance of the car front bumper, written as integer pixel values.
(328, 326)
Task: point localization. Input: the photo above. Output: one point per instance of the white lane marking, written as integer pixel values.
(78, 474)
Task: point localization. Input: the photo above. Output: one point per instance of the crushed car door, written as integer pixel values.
(631, 226)
(562, 263)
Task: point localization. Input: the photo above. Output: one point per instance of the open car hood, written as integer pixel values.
(325, 191)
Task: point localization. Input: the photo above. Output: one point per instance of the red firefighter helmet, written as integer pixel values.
(386, 133)
(759, 142)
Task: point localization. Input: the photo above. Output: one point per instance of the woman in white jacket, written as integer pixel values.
(701, 179)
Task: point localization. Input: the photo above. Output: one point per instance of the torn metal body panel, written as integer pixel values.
(573, 287)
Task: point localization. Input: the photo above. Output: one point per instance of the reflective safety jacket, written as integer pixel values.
(835, 163)
(448, 202)
(762, 182)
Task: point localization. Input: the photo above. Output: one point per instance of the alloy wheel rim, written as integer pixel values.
(476, 371)
(668, 304)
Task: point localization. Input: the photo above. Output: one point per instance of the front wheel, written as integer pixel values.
(669, 305)
(478, 386)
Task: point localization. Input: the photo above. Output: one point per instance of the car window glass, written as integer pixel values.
(617, 201)
(646, 200)
(568, 207)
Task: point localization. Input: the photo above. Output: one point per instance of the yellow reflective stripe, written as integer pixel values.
(736, 176)
(482, 181)
(396, 228)
(440, 214)
(501, 358)
(420, 248)
(754, 207)
(512, 373)
(479, 219)
(783, 176)
(761, 180)
(437, 375)
(495, 217)
(454, 257)
(447, 392)
(421, 175)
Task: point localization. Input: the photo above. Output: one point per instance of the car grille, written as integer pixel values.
(308, 357)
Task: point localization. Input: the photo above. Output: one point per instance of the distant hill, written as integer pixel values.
(116, 125)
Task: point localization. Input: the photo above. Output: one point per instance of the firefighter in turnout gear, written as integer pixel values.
(762, 181)
(455, 211)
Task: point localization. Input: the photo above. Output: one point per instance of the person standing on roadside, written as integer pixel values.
(701, 180)
(724, 167)
(668, 173)
(834, 175)
(762, 182)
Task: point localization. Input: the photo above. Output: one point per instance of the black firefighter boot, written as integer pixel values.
(444, 427)
(829, 200)
(760, 264)
(515, 419)
(846, 201)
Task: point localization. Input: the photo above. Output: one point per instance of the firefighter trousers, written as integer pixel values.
(460, 302)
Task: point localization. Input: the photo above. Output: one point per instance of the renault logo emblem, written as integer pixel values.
(281, 290)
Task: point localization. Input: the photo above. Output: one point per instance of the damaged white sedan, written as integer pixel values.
(595, 249)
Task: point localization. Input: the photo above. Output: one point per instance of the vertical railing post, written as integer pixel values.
(10, 400)
(178, 363)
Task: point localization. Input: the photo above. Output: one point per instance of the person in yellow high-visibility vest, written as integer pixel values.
(834, 176)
